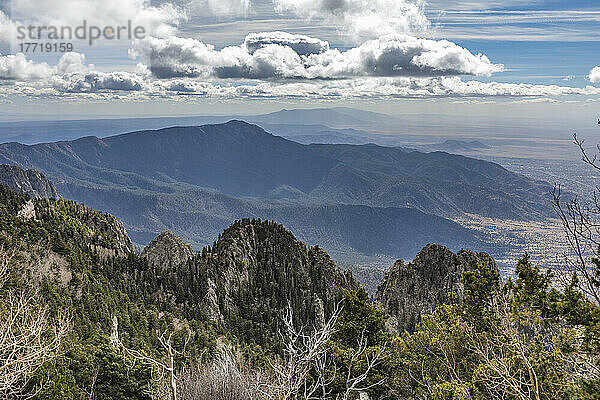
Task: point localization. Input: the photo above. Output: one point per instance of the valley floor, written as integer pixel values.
(544, 241)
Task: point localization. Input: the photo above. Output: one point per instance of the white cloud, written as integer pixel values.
(363, 19)
(280, 55)
(98, 81)
(595, 75)
(401, 55)
(71, 63)
(72, 80)
(19, 67)
(172, 57)
(301, 44)
(158, 20)
(130, 86)
(6, 28)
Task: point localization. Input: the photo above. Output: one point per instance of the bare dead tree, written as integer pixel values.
(590, 160)
(303, 372)
(499, 375)
(307, 370)
(221, 379)
(581, 224)
(5, 259)
(90, 393)
(356, 382)
(29, 335)
(166, 369)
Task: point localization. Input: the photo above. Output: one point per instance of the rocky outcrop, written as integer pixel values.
(30, 181)
(255, 270)
(263, 253)
(432, 279)
(246, 280)
(28, 211)
(167, 249)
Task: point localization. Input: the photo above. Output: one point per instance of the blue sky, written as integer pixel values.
(534, 55)
(539, 42)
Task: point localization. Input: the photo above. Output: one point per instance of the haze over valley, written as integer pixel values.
(329, 175)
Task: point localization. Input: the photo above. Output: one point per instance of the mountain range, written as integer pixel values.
(282, 123)
(338, 125)
(100, 320)
(355, 200)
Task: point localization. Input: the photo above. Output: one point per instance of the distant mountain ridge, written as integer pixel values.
(454, 145)
(241, 159)
(31, 132)
(194, 180)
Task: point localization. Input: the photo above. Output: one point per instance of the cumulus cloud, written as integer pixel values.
(98, 81)
(369, 89)
(73, 80)
(133, 86)
(401, 55)
(175, 56)
(6, 28)
(363, 19)
(71, 63)
(279, 55)
(18, 67)
(595, 75)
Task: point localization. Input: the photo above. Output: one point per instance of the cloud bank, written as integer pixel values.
(280, 55)
(73, 80)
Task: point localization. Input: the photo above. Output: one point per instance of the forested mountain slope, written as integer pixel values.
(82, 261)
(113, 310)
(242, 159)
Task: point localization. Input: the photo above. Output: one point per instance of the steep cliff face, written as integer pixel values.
(432, 279)
(246, 280)
(167, 249)
(53, 236)
(30, 181)
(243, 283)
